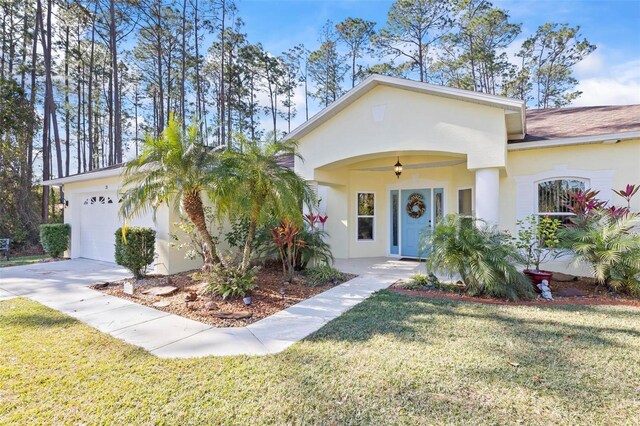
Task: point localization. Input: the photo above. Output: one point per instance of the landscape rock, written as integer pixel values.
(163, 290)
(128, 287)
(191, 296)
(162, 304)
(232, 315)
(210, 306)
(571, 292)
(560, 277)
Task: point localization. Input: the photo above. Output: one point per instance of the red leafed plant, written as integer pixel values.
(582, 203)
(627, 193)
(286, 239)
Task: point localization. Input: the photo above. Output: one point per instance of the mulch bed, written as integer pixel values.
(581, 291)
(267, 299)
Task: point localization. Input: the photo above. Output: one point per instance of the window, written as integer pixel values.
(465, 202)
(98, 200)
(438, 194)
(365, 216)
(395, 223)
(553, 197)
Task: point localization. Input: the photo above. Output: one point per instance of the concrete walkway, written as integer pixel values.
(63, 286)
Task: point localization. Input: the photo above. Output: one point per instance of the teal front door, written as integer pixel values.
(415, 211)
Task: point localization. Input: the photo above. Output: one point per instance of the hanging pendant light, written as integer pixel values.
(397, 168)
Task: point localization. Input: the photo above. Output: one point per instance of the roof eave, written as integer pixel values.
(606, 138)
(99, 174)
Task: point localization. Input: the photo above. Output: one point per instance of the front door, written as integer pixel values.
(415, 211)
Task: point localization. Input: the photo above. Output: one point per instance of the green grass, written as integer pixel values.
(393, 359)
(24, 260)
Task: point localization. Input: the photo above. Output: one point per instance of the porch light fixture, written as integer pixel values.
(397, 168)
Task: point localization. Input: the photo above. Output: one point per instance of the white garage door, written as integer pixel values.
(98, 223)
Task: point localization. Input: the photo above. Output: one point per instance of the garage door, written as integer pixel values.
(98, 223)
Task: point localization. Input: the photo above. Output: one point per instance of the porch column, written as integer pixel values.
(487, 197)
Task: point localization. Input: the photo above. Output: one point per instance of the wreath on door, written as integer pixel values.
(415, 205)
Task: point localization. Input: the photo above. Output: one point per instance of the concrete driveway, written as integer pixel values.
(65, 276)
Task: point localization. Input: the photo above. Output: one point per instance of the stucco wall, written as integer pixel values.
(392, 120)
(604, 166)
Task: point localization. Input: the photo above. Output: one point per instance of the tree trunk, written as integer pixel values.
(248, 245)
(117, 108)
(222, 98)
(183, 78)
(90, 89)
(192, 204)
(67, 128)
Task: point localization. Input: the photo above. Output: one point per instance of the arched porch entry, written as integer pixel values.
(372, 212)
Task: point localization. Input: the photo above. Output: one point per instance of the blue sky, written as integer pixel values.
(611, 75)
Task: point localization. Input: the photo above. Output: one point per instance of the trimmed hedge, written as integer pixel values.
(54, 238)
(136, 250)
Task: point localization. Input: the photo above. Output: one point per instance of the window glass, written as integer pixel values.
(394, 219)
(465, 204)
(438, 213)
(365, 213)
(553, 197)
(365, 204)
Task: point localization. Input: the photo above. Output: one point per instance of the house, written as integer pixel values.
(456, 151)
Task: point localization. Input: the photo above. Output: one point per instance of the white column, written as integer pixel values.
(487, 195)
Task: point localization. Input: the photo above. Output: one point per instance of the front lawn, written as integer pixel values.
(24, 260)
(393, 359)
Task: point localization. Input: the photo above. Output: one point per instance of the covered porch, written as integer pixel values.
(372, 212)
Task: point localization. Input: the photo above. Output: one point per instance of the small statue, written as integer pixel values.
(546, 291)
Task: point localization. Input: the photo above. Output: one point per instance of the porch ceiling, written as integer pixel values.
(380, 161)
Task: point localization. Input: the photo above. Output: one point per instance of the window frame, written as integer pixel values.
(373, 217)
(536, 192)
(473, 201)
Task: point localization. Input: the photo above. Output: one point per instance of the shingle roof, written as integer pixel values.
(559, 123)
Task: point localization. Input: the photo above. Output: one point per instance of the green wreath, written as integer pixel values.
(415, 206)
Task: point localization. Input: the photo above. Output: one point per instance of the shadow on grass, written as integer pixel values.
(14, 314)
(405, 316)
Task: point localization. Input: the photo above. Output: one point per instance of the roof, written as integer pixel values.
(563, 123)
(115, 170)
(104, 172)
(512, 107)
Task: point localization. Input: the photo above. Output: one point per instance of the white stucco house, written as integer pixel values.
(461, 152)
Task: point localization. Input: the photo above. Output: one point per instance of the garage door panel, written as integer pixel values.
(98, 223)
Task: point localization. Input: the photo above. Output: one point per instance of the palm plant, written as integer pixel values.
(258, 188)
(175, 168)
(610, 246)
(484, 257)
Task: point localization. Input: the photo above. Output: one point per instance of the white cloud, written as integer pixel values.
(603, 84)
(607, 91)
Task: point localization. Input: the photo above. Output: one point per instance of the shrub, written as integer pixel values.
(315, 248)
(606, 237)
(309, 244)
(54, 238)
(323, 274)
(611, 248)
(417, 282)
(482, 256)
(230, 282)
(135, 250)
(538, 239)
